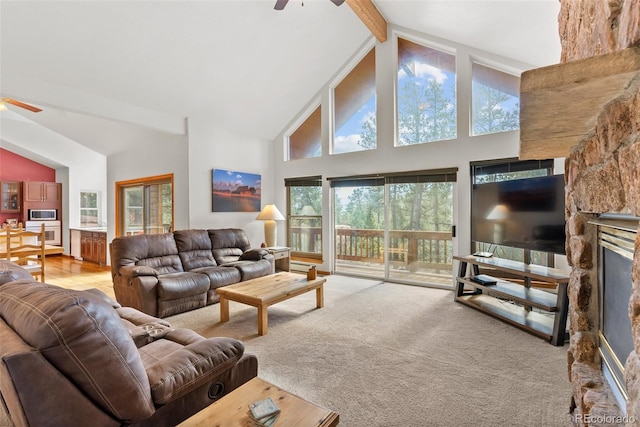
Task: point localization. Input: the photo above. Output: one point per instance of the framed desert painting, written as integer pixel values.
(233, 191)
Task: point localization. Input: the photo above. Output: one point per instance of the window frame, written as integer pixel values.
(144, 182)
(429, 44)
(498, 68)
(340, 77)
(96, 209)
(312, 181)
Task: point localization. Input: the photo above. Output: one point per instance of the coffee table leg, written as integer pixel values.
(224, 309)
(263, 320)
(319, 297)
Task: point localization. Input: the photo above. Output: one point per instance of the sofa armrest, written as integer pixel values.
(130, 271)
(254, 254)
(191, 366)
(139, 292)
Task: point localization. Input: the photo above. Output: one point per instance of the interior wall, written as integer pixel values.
(211, 146)
(77, 167)
(17, 168)
(387, 158)
(169, 156)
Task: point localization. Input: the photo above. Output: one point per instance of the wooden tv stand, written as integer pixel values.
(524, 303)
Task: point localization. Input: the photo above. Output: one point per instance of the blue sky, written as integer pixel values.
(229, 180)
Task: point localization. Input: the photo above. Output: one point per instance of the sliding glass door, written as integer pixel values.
(145, 206)
(397, 227)
(420, 238)
(359, 227)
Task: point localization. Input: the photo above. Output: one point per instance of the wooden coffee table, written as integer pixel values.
(232, 410)
(268, 290)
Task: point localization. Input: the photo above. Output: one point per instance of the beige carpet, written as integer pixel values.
(384, 354)
(391, 355)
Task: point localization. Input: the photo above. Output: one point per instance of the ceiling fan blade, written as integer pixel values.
(280, 4)
(21, 105)
(337, 2)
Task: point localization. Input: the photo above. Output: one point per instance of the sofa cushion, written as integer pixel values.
(226, 255)
(82, 336)
(251, 269)
(158, 251)
(10, 271)
(220, 276)
(194, 249)
(228, 242)
(180, 285)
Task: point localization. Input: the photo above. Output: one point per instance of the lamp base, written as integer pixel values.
(270, 232)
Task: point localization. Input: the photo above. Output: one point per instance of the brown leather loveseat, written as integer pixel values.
(166, 274)
(71, 358)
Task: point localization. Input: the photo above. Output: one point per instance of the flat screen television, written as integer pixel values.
(524, 213)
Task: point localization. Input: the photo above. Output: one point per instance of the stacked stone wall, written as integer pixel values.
(602, 176)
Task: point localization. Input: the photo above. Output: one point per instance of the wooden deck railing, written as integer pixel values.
(417, 249)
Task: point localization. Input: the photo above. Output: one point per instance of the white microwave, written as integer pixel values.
(43, 214)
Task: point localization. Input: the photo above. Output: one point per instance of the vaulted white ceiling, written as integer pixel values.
(118, 68)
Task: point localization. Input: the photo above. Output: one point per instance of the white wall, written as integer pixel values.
(168, 156)
(213, 147)
(387, 158)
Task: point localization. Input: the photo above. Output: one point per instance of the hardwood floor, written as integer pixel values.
(67, 272)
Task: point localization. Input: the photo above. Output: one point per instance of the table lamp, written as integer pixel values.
(499, 214)
(270, 214)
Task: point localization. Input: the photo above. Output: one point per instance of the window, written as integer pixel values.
(304, 209)
(355, 108)
(145, 206)
(89, 213)
(395, 226)
(495, 101)
(305, 142)
(426, 94)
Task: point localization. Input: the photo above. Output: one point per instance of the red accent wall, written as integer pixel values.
(17, 168)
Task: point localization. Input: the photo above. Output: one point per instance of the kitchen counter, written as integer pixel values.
(96, 229)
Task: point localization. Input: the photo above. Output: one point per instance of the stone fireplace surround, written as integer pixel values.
(602, 176)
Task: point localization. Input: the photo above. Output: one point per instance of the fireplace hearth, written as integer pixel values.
(615, 337)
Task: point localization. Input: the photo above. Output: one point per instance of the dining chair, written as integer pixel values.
(27, 249)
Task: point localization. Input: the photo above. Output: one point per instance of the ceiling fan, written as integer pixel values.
(17, 103)
(280, 4)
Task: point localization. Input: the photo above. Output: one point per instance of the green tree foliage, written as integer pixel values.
(305, 197)
(489, 112)
(425, 113)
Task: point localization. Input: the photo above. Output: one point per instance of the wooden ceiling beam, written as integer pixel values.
(560, 104)
(370, 17)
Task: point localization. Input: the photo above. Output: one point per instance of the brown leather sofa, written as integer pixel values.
(71, 358)
(166, 274)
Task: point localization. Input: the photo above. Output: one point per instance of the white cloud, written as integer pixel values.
(347, 144)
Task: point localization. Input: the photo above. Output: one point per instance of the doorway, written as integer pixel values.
(396, 227)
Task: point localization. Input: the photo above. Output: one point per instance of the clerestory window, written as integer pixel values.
(495, 100)
(426, 94)
(355, 108)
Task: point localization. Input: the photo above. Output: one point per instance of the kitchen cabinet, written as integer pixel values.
(93, 246)
(10, 197)
(42, 195)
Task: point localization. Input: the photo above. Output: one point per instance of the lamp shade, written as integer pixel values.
(499, 212)
(270, 212)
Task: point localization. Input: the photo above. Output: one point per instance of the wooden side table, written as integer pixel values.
(282, 257)
(233, 409)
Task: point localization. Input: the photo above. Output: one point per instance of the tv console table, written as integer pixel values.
(514, 302)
